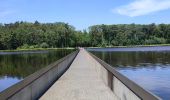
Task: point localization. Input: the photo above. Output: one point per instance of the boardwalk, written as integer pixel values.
(80, 82)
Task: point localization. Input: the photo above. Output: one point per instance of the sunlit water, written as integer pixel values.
(147, 66)
(15, 66)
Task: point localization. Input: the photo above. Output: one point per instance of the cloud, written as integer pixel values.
(143, 7)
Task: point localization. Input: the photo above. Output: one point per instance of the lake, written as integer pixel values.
(15, 66)
(147, 66)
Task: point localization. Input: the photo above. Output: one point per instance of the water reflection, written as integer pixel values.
(150, 69)
(8, 81)
(135, 59)
(14, 66)
(155, 80)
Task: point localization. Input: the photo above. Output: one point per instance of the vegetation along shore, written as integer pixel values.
(28, 36)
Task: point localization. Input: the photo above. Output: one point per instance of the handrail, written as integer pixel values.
(9, 92)
(135, 88)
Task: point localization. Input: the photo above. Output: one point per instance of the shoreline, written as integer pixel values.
(35, 49)
(130, 46)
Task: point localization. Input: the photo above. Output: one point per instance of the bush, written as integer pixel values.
(36, 46)
(25, 46)
(155, 40)
(31, 47)
(114, 43)
(44, 45)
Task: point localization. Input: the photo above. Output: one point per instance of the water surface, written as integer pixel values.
(15, 66)
(147, 66)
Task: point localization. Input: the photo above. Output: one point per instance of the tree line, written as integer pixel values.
(40, 35)
(23, 35)
(129, 34)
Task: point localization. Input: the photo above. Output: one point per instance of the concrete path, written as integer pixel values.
(80, 82)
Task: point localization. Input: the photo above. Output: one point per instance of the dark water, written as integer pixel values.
(147, 66)
(14, 66)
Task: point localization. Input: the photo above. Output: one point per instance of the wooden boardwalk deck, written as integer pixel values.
(80, 82)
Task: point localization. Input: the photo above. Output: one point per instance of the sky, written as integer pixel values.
(84, 13)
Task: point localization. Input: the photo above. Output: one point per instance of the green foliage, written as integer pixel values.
(155, 40)
(44, 45)
(129, 34)
(37, 35)
(25, 46)
(24, 35)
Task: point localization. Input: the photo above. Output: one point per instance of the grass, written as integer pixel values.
(35, 49)
(153, 45)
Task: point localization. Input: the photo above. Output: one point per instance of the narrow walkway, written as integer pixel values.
(80, 82)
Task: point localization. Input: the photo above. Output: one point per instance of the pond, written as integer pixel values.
(147, 66)
(15, 66)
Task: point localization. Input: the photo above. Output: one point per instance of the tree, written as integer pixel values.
(59, 34)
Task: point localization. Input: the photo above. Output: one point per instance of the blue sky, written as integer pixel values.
(83, 13)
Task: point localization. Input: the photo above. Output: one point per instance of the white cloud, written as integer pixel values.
(143, 7)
